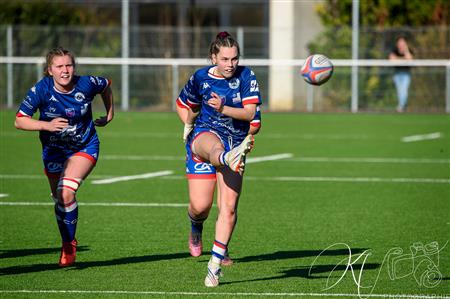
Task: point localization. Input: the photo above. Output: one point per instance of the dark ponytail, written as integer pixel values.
(223, 39)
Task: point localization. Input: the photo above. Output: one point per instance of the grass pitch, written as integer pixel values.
(332, 195)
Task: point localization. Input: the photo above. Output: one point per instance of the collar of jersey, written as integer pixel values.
(62, 92)
(211, 74)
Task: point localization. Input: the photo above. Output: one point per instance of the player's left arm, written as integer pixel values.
(108, 101)
(255, 124)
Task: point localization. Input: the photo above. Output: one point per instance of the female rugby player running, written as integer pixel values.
(70, 144)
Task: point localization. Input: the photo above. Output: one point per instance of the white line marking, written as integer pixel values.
(133, 177)
(3, 195)
(99, 204)
(414, 138)
(269, 158)
(372, 160)
(140, 158)
(337, 179)
(355, 179)
(299, 159)
(303, 179)
(41, 176)
(221, 294)
(179, 158)
(317, 136)
(171, 135)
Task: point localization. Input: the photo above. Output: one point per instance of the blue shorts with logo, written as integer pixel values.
(54, 157)
(196, 168)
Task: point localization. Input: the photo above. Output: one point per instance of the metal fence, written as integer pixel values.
(154, 81)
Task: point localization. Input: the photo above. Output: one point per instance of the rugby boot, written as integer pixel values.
(235, 158)
(195, 244)
(68, 253)
(214, 274)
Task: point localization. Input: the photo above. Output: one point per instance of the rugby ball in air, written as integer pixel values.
(317, 69)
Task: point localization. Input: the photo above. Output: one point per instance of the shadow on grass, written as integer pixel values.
(308, 272)
(313, 272)
(14, 270)
(292, 254)
(33, 251)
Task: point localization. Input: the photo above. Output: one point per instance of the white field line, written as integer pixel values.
(180, 158)
(299, 179)
(3, 195)
(109, 134)
(290, 158)
(269, 158)
(99, 204)
(221, 294)
(371, 160)
(42, 176)
(142, 158)
(171, 135)
(133, 177)
(336, 179)
(414, 138)
(354, 179)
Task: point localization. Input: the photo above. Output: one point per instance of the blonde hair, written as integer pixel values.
(59, 51)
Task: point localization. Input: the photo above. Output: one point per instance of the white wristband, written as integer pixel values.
(187, 130)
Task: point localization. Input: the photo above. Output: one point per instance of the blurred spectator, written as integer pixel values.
(402, 76)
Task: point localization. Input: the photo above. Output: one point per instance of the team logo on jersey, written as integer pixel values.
(70, 112)
(54, 166)
(188, 94)
(84, 109)
(79, 97)
(206, 85)
(53, 99)
(234, 83)
(52, 115)
(254, 86)
(202, 167)
(95, 80)
(27, 103)
(33, 89)
(237, 98)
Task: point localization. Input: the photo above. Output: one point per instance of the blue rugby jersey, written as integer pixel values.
(75, 106)
(239, 90)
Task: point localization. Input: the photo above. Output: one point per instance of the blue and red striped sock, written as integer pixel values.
(218, 252)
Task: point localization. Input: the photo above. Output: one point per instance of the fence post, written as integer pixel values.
(355, 47)
(9, 67)
(447, 89)
(240, 39)
(39, 72)
(125, 55)
(175, 76)
(309, 98)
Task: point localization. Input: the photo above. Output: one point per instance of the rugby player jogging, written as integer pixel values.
(70, 145)
(219, 106)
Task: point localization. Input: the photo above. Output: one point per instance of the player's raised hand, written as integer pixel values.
(57, 124)
(216, 101)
